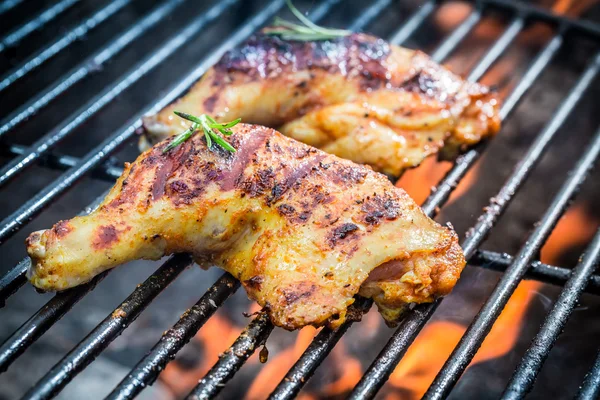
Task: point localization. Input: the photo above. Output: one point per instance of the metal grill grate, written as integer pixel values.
(95, 163)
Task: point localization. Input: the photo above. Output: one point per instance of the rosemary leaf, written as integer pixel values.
(208, 126)
(182, 137)
(187, 116)
(208, 139)
(221, 142)
(231, 124)
(308, 32)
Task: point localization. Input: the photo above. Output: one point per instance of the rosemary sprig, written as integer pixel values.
(308, 32)
(208, 126)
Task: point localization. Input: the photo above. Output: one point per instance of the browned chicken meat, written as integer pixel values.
(356, 97)
(304, 231)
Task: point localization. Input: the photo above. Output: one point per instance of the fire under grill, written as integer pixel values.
(45, 152)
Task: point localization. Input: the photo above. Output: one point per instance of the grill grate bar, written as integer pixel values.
(316, 352)
(90, 66)
(146, 371)
(525, 374)
(108, 330)
(13, 223)
(65, 40)
(368, 15)
(9, 5)
(394, 350)
(497, 49)
(381, 368)
(41, 321)
(590, 389)
(254, 336)
(452, 41)
(16, 36)
(13, 280)
(413, 23)
(107, 171)
(534, 71)
(537, 270)
(472, 339)
(79, 117)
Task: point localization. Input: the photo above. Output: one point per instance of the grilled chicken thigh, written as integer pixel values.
(304, 231)
(356, 97)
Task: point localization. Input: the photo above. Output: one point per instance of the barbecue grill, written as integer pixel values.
(47, 152)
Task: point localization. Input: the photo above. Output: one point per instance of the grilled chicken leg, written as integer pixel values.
(304, 231)
(356, 97)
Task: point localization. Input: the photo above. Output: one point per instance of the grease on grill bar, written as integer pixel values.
(575, 282)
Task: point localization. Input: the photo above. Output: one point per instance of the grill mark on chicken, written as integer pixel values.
(166, 165)
(341, 232)
(106, 235)
(259, 183)
(378, 207)
(62, 229)
(246, 149)
(302, 290)
(265, 56)
(292, 215)
(182, 193)
(286, 210)
(210, 102)
(128, 191)
(279, 189)
(346, 174)
(436, 83)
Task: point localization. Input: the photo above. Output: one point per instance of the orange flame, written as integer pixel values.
(574, 228)
(572, 8)
(418, 182)
(350, 372)
(433, 346)
(216, 335)
(276, 368)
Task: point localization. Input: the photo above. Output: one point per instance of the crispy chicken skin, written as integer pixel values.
(356, 97)
(304, 231)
